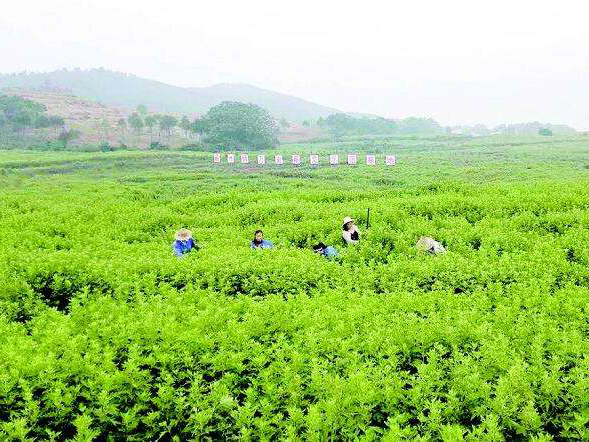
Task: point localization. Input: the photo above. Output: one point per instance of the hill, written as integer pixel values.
(95, 121)
(126, 90)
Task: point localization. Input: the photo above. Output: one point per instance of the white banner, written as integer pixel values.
(314, 160)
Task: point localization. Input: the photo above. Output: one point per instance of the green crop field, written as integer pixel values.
(105, 335)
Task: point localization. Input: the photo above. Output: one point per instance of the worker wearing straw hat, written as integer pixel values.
(430, 245)
(350, 232)
(183, 243)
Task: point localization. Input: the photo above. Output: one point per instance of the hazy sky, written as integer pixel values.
(456, 61)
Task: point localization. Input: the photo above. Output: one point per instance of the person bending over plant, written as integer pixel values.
(326, 251)
(430, 245)
(259, 242)
(183, 243)
(350, 232)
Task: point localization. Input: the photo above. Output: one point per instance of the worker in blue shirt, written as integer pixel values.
(326, 251)
(183, 243)
(259, 242)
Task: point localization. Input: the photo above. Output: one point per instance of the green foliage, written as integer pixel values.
(20, 113)
(415, 125)
(232, 125)
(56, 122)
(104, 334)
(68, 135)
(341, 124)
(42, 122)
(142, 110)
(184, 123)
(545, 132)
(533, 128)
(150, 121)
(105, 147)
(156, 145)
(197, 126)
(135, 122)
(166, 123)
(344, 124)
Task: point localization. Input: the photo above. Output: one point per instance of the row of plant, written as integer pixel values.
(105, 334)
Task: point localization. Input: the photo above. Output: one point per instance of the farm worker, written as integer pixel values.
(430, 245)
(326, 251)
(350, 232)
(184, 242)
(259, 242)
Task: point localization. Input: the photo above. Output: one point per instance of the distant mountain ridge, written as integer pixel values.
(127, 90)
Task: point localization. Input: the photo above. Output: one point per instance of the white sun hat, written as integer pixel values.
(347, 220)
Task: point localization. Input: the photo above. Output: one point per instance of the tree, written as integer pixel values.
(42, 122)
(142, 109)
(166, 123)
(233, 124)
(68, 135)
(185, 124)
(56, 122)
(135, 122)
(149, 122)
(284, 123)
(306, 123)
(104, 125)
(122, 124)
(21, 121)
(20, 113)
(197, 127)
(545, 132)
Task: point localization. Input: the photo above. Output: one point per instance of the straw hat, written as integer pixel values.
(427, 244)
(347, 220)
(183, 235)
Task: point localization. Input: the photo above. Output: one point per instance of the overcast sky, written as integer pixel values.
(460, 62)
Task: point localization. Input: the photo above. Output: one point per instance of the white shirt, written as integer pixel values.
(347, 235)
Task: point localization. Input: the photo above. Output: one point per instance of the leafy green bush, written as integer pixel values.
(105, 334)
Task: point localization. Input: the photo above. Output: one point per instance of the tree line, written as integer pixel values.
(228, 125)
(18, 115)
(341, 124)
